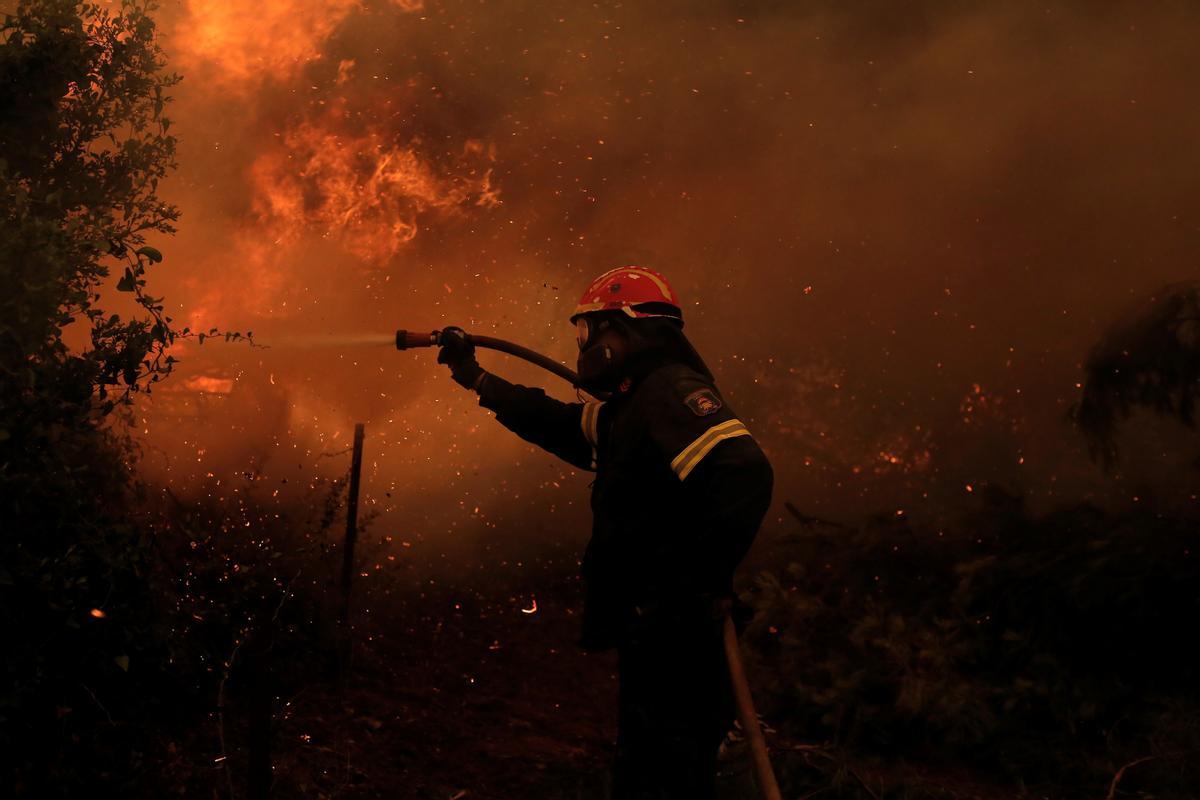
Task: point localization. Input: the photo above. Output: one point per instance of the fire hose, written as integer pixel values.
(406, 340)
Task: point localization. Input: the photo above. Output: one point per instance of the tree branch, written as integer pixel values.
(1112, 787)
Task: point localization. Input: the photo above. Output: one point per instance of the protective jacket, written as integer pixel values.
(681, 488)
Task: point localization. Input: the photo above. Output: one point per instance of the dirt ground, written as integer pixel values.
(454, 692)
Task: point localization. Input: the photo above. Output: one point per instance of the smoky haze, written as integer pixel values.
(896, 229)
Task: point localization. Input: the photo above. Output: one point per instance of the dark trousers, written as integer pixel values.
(676, 704)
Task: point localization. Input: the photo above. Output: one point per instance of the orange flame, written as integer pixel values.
(363, 189)
(206, 383)
(239, 45)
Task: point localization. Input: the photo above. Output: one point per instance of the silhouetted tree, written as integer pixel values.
(85, 144)
(1151, 360)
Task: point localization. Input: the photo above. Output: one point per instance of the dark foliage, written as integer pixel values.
(85, 143)
(152, 650)
(86, 622)
(253, 608)
(82, 94)
(1040, 651)
(1151, 360)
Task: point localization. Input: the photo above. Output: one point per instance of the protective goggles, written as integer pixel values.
(586, 329)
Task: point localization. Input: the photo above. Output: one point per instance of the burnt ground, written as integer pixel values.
(458, 695)
(455, 693)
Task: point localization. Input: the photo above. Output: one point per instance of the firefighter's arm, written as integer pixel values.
(568, 430)
(726, 476)
(732, 486)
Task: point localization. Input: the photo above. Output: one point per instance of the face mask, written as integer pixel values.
(602, 347)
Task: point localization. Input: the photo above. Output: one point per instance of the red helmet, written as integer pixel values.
(637, 291)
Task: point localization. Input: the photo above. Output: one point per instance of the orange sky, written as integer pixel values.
(897, 230)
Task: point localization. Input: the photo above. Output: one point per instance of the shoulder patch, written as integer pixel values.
(703, 402)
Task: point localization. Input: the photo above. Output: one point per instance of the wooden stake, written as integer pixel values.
(749, 719)
(351, 523)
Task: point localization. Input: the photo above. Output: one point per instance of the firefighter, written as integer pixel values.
(681, 488)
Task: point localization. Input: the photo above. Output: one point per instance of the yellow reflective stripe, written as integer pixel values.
(589, 422)
(596, 426)
(694, 453)
(583, 420)
(686, 453)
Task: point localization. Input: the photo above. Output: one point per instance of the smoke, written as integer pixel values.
(897, 230)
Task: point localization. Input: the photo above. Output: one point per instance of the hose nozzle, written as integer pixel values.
(406, 340)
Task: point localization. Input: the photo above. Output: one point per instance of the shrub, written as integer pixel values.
(1040, 649)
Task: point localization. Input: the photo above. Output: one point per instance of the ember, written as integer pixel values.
(902, 241)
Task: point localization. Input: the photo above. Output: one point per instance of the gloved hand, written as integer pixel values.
(458, 353)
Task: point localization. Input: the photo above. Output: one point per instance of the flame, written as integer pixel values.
(342, 173)
(363, 189)
(320, 167)
(239, 45)
(205, 383)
